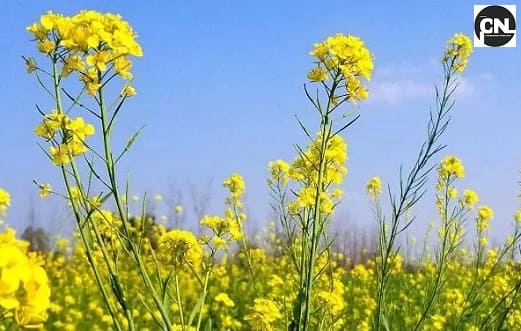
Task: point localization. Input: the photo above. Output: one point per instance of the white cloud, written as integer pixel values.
(466, 89)
(401, 83)
(398, 91)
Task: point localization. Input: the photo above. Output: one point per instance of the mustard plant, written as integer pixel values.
(412, 187)
(96, 49)
(341, 62)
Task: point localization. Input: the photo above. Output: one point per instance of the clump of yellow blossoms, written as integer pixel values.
(517, 216)
(5, 200)
(374, 187)
(469, 199)
(92, 45)
(458, 50)
(45, 190)
(305, 167)
(89, 43)
(24, 285)
(345, 59)
(72, 134)
(229, 227)
(264, 313)
(178, 247)
(304, 170)
(235, 184)
(279, 170)
(451, 166)
(485, 215)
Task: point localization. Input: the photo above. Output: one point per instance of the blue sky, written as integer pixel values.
(221, 81)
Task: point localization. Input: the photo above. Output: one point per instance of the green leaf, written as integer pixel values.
(196, 308)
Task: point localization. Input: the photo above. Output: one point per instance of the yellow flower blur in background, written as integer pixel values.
(24, 285)
(374, 187)
(5, 200)
(45, 190)
(178, 247)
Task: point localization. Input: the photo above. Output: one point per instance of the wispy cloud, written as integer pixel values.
(466, 88)
(402, 83)
(397, 91)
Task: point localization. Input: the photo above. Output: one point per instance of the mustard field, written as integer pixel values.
(129, 271)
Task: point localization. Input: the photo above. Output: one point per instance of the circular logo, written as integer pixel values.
(495, 26)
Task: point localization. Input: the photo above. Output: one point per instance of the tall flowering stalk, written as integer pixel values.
(341, 62)
(96, 49)
(452, 228)
(413, 186)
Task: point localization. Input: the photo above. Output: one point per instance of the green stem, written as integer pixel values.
(445, 249)
(114, 280)
(76, 210)
(244, 244)
(316, 228)
(179, 302)
(123, 215)
(205, 289)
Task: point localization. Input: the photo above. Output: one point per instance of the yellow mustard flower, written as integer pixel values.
(128, 91)
(348, 59)
(374, 187)
(45, 190)
(180, 246)
(458, 50)
(235, 183)
(485, 213)
(279, 170)
(451, 166)
(224, 299)
(517, 216)
(90, 43)
(318, 74)
(5, 200)
(263, 314)
(470, 198)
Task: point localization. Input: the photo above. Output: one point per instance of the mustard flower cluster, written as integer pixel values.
(346, 60)
(66, 135)
(5, 200)
(279, 172)
(451, 166)
(263, 313)
(229, 227)
(305, 170)
(458, 50)
(485, 215)
(45, 190)
(374, 187)
(517, 216)
(469, 198)
(235, 183)
(224, 229)
(89, 43)
(180, 246)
